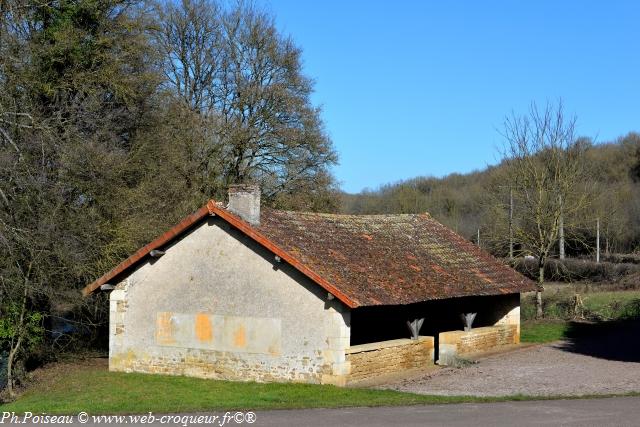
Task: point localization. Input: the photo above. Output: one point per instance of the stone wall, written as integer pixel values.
(218, 305)
(387, 357)
(460, 343)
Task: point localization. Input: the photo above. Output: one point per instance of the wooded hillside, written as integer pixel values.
(463, 202)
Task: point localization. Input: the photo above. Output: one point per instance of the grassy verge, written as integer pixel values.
(95, 390)
(544, 331)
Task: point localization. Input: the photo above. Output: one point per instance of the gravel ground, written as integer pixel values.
(561, 368)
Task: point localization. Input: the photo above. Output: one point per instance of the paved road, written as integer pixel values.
(619, 411)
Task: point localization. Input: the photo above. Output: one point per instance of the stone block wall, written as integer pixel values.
(372, 360)
(460, 343)
(222, 365)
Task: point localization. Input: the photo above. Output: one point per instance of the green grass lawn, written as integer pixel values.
(543, 331)
(613, 305)
(95, 390)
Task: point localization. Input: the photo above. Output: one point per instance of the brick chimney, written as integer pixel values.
(244, 201)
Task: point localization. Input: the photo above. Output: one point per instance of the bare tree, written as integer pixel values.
(232, 66)
(189, 38)
(546, 170)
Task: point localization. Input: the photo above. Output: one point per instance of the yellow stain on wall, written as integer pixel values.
(274, 350)
(164, 328)
(120, 361)
(204, 330)
(240, 337)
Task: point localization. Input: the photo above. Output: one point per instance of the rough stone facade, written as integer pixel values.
(190, 312)
(387, 357)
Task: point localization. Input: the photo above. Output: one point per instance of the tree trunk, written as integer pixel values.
(10, 360)
(538, 304)
(561, 232)
(540, 288)
(14, 349)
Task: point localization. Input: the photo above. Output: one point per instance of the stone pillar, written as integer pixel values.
(338, 333)
(117, 310)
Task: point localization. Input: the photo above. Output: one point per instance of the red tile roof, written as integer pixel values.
(365, 260)
(390, 259)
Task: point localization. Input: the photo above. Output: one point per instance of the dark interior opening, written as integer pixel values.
(388, 322)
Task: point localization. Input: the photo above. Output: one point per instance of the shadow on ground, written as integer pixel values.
(615, 340)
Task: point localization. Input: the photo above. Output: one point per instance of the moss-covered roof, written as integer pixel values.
(390, 259)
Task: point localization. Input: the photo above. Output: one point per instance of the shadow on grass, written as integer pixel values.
(613, 340)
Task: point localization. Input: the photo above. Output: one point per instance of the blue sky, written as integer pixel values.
(420, 88)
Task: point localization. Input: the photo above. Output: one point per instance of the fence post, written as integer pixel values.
(598, 240)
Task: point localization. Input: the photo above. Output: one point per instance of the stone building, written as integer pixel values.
(241, 293)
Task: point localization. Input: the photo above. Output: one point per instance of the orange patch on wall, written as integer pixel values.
(204, 331)
(273, 350)
(164, 329)
(240, 337)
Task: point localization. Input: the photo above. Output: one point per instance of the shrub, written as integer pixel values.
(622, 258)
(575, 270)
(596, 306)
